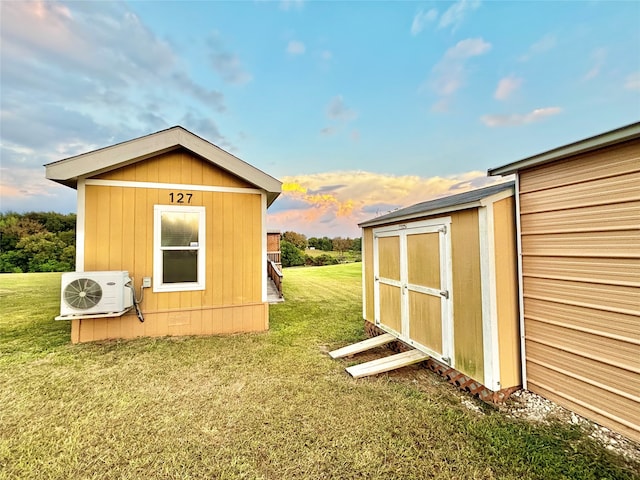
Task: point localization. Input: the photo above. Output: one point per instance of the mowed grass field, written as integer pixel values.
(255, 406)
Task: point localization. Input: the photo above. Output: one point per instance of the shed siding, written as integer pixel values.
(507, 292)
(367, 272)
(580, 228)
(232, 300)
(467, 294)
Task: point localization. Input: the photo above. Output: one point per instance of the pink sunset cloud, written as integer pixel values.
(333, 203)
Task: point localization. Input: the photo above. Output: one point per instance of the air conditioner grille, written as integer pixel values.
(82, 293)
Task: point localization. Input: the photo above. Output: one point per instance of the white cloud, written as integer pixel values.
(226, 63)
(632, 82)
(296, 47)
(449, 74)
(516, 119)
(326, 55)
(506, 87)
(337, 110)
(421, 19)
(88, 74)
(598, 57)
(543, 45)
(456, 13)
(287, 5)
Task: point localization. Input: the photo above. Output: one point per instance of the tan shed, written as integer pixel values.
(579, 243)
(441, 277)
(175, 214)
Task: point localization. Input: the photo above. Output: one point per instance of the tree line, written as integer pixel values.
(46, 242)
(37, 242)
(293, 247)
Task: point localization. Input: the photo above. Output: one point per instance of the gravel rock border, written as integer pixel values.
(530, 406)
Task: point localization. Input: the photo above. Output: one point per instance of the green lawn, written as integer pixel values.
(259, 406)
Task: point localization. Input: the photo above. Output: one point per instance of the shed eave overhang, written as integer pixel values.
(480, 197)
(619, 135)
(69, 170)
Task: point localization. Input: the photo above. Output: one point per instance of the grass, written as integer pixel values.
(255, 406)
(343, 257)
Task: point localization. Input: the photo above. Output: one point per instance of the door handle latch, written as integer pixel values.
(444, 293)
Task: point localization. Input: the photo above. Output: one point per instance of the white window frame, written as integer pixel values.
(158, 285)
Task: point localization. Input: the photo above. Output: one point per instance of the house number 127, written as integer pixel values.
(180, 197)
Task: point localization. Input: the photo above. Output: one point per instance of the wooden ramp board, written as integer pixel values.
(385, 364)
(362, 346)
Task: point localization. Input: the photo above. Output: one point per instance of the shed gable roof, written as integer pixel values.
(612, 137)
(460, 201)
(69, 170)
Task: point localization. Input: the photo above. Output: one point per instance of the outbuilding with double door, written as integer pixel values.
(441, 277)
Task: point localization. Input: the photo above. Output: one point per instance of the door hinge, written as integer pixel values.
(443, 229)
(446, 360)
(444, 293)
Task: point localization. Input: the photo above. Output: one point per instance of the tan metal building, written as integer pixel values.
(441, 277)
(579, 252)
(185, 215)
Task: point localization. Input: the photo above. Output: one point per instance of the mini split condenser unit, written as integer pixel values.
(95, 293)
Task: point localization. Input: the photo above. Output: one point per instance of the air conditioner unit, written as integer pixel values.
(94, 293)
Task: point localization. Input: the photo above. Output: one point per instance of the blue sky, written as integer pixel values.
(358, 107)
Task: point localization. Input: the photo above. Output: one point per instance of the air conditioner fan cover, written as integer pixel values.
(82, 293)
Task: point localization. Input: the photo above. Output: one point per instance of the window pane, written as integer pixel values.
(179, 266)
(179, 229)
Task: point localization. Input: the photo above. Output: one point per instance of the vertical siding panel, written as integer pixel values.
(128, 233)
(217, 253)
(75, 331)
(507, 292)
(367, 265)
(91, 228)
(85, 328)
(113, 327)
(467, 299)
(99, 328)
(186, 173)
(103, 229)
(115, 230)
(207, 296)
(226, 320)
(228, 249)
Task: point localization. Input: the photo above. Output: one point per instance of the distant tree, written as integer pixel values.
(325, 244)
(342, 244)
(357, 244)
(296, 239)
(14, 227)
(46, 252)
(291, 255)
(37, 242)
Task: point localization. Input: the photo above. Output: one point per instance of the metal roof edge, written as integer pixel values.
(413, 216)
(506, 189)
(618, 135)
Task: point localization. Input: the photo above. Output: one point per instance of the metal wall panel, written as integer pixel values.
(580, 234)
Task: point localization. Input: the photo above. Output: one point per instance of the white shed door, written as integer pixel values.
(412, 293)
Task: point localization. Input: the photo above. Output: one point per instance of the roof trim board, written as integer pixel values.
(622, 134)
(69, 170)
(461, 201)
